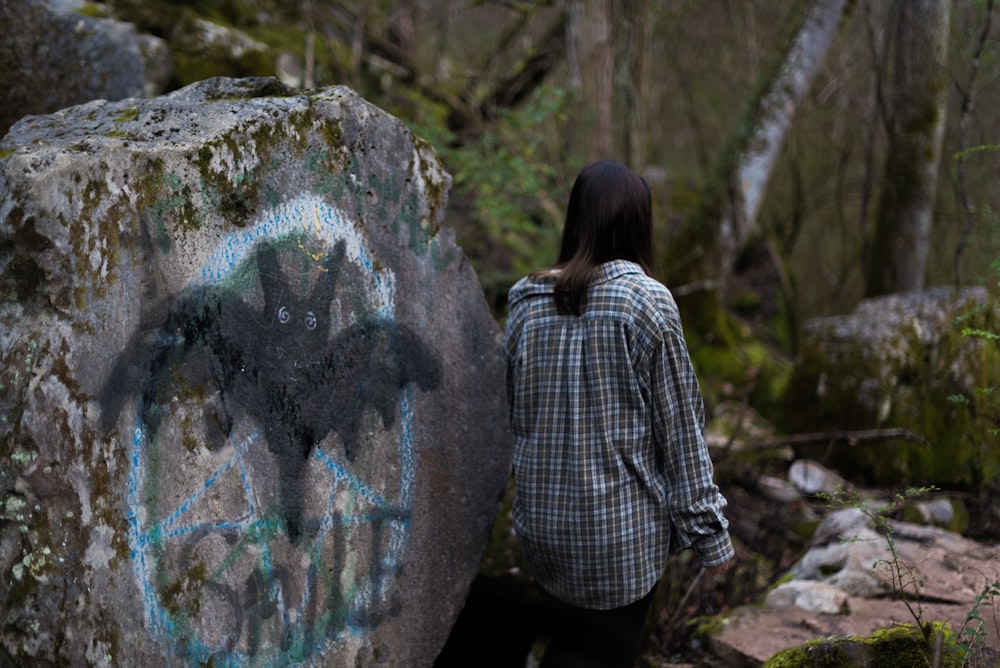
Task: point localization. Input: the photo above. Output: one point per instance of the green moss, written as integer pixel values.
(93, 10)
(194, 61)
(745, 302)
(805, 529)
(127, 115)
(181, 597)
(98, 230)
(19, 592)
(20, 278)
(833, 391)
(787, 577)
(706, 626)
(238, 192)
(169, 200)
(741, 365)
(903, 646)
(6, 152)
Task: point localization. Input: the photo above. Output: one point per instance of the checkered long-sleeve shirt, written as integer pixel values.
(611, 471)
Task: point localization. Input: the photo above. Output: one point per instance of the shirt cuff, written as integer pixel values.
(716, 550)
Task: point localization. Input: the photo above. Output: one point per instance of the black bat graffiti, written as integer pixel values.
(280, 365)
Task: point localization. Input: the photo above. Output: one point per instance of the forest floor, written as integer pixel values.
(770, 536)
(499, 625)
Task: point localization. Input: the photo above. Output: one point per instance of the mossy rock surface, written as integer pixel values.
(236, 232)
(895, 647)
(898, 362)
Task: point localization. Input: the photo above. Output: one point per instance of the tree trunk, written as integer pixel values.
(590, 44)
(705, 249)
(358, 45)
(403, 24)
(967, 97)
(916, 127)
(632, 83)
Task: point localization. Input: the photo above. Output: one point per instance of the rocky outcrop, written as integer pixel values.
(252, 405)
(844, 587)
(52, 57)
(902, 362)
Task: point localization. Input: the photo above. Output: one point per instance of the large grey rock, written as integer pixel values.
(52, 57)
(252, 404)
(897, 363)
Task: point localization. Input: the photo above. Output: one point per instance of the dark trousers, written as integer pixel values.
(584, 638)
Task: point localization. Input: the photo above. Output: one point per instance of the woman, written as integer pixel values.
(612, 473)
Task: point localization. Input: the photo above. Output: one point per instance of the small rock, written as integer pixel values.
(938, 512)
(777, 489)
(812, 478)
(810, 596)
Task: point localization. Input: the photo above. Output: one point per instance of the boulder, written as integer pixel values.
(898, 647)
(52, 57)
(253, 407)
(898, 363)
(842, 587)
(202, 48)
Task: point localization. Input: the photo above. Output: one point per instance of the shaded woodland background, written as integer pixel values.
(803, 154)
(518, 96)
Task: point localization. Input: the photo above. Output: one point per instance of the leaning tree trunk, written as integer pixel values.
(916, 127)
(704, 251)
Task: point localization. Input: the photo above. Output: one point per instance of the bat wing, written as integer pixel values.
(368, 364)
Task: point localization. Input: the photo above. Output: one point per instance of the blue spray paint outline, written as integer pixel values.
(311, 215)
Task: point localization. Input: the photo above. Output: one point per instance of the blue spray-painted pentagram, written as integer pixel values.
(264, 525)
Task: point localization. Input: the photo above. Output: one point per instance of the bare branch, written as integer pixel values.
(851, 438)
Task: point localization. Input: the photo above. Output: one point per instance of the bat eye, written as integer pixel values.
(283, 315)
(310, 320)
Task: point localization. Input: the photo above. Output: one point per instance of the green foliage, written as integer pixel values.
(972, 633)
(742, 366)
(988, 397)
(976, 149)
(508, 189)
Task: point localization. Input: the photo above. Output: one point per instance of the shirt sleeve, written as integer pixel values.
(695, 503)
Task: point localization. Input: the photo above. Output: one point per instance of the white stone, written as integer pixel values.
(809, 595)
(813, 478)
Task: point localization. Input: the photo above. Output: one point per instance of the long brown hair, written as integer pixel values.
(609, 217)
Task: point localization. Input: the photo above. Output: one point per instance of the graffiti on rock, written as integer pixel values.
(268, 517)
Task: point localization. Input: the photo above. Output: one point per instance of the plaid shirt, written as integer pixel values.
(612, 473)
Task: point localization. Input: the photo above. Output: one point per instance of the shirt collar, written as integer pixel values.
(615, 269)
(543, 283)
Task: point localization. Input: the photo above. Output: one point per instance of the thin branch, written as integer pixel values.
(851, 438)
(528, 75)
(679, 610)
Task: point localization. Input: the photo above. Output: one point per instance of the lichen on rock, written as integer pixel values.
(894, 363)
(253, 404)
